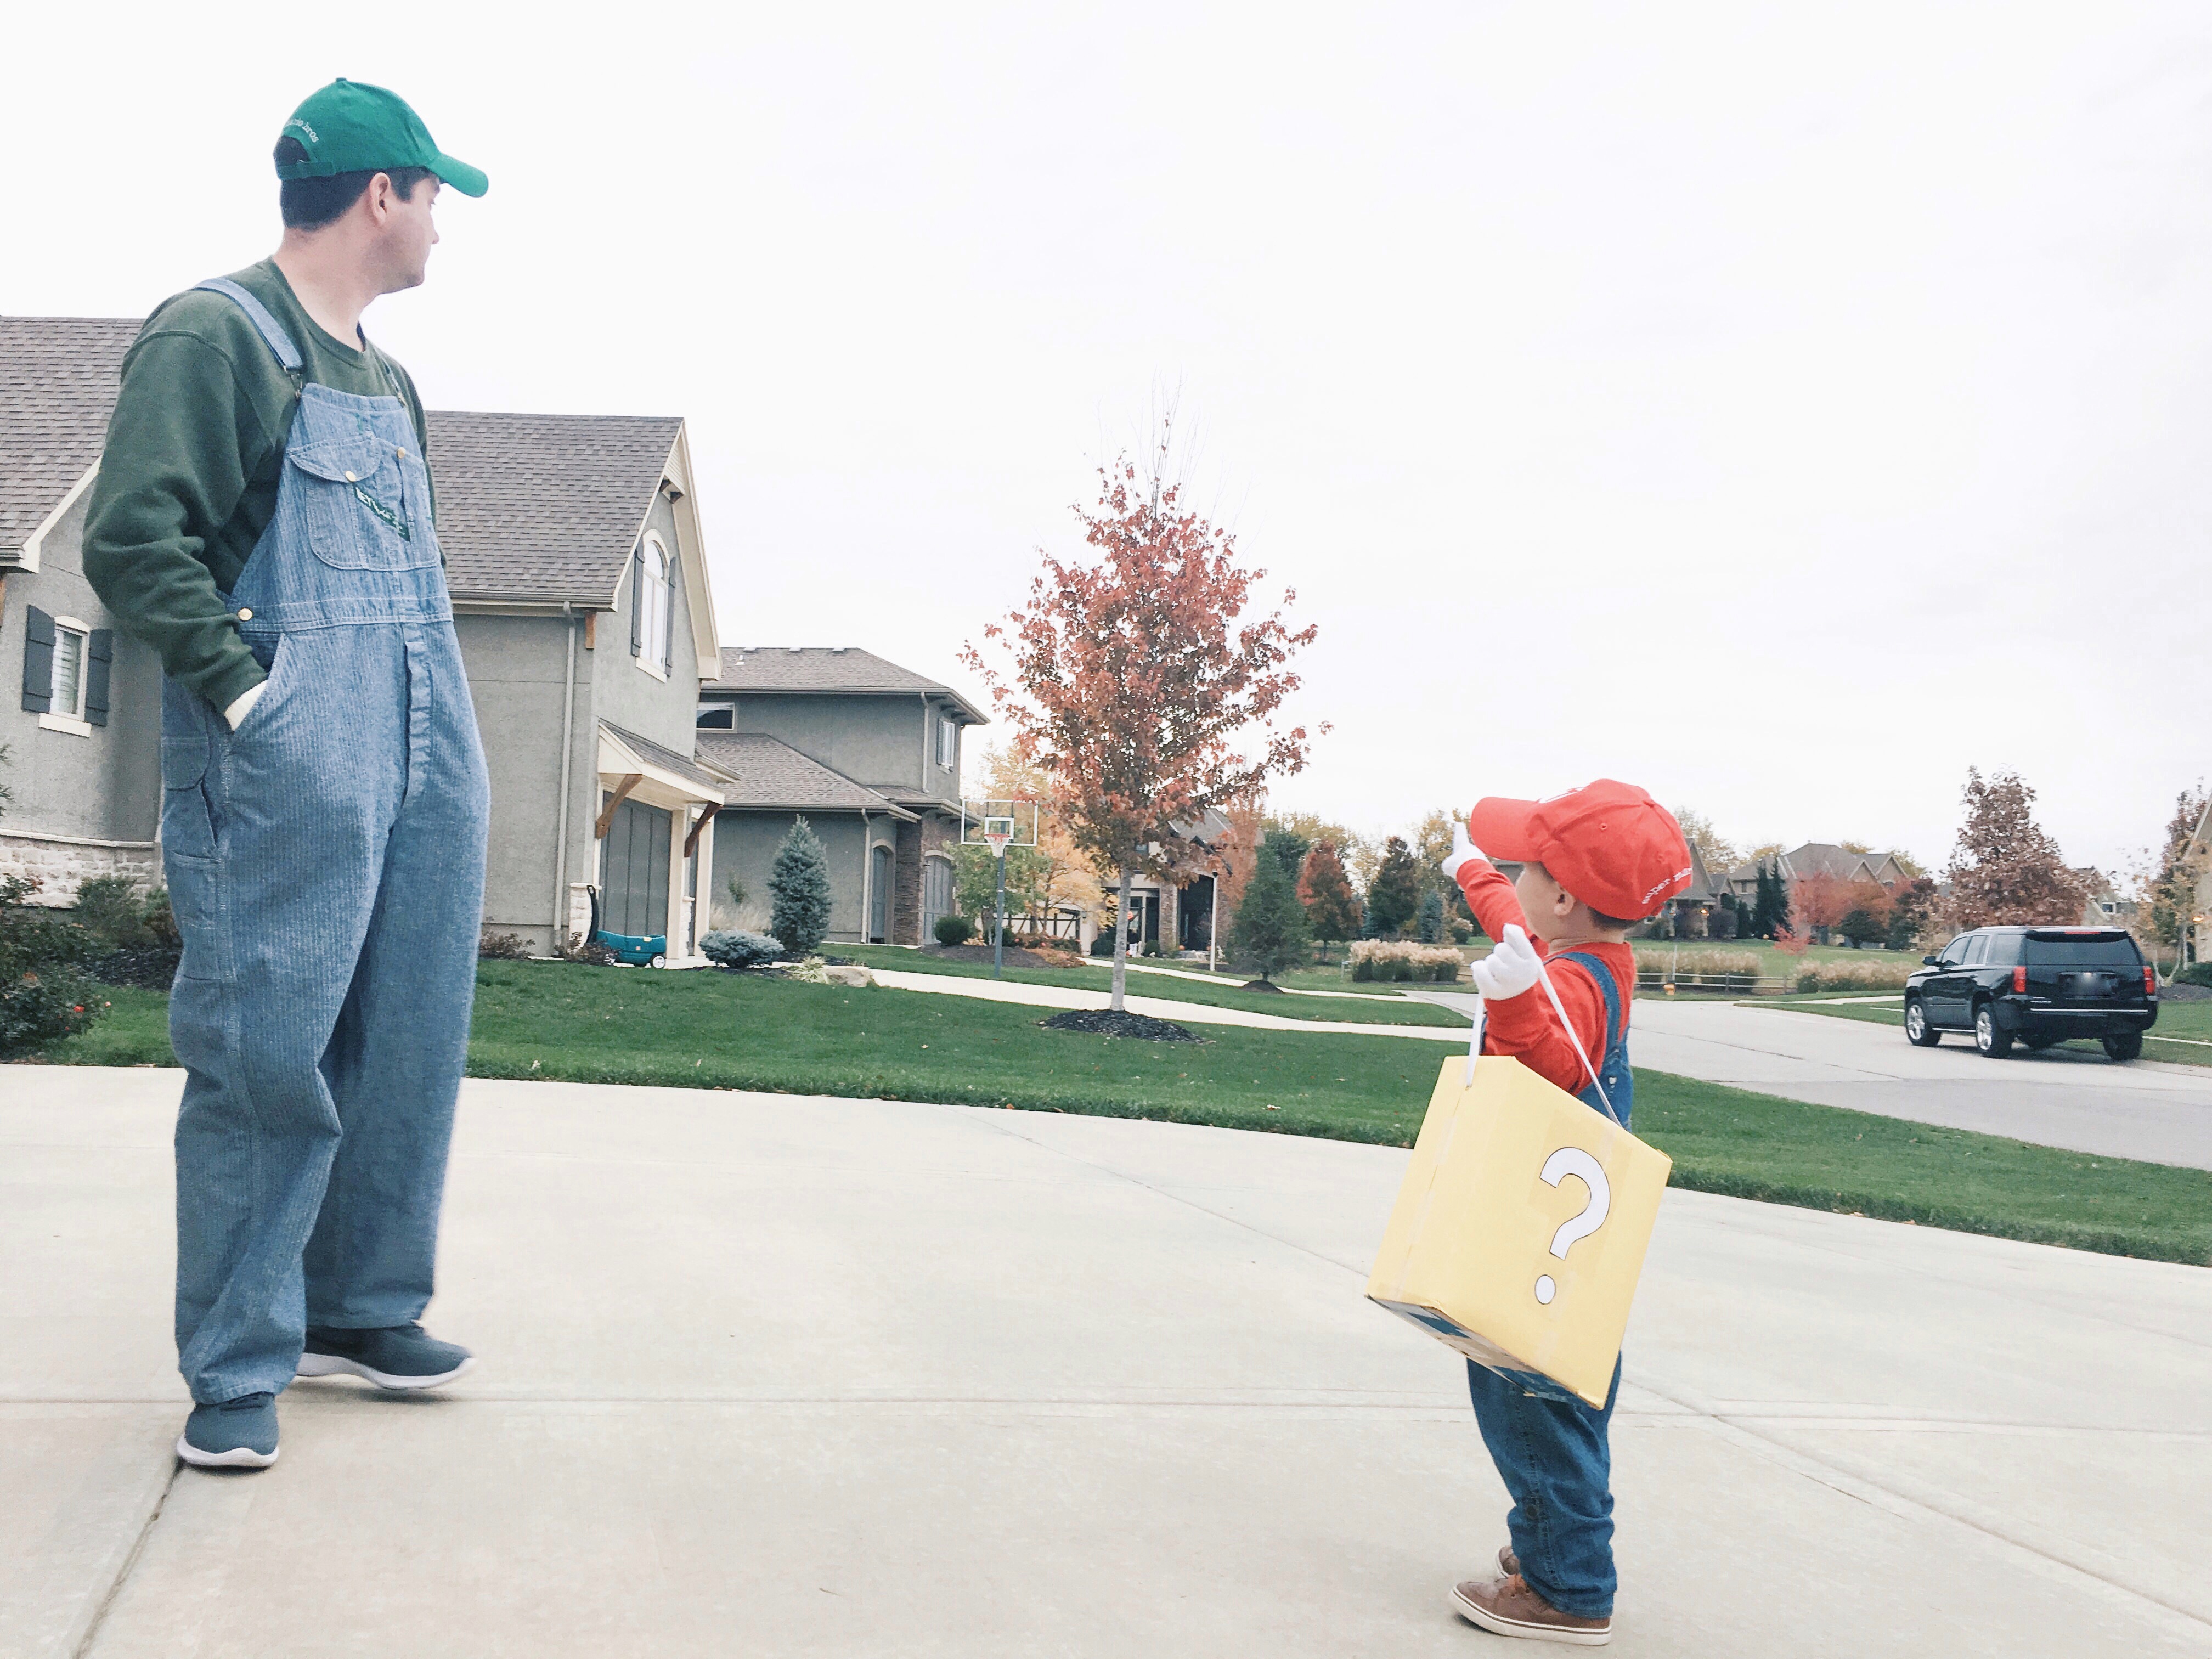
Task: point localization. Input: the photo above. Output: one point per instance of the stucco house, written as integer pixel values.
(577, 566)
(83, 731)
(869, 752)
(578, 569)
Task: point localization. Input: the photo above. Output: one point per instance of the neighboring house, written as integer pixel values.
(578, 571)
(868, 753)
(83, 725)
(1819, 858)
(1690, 911)
(578, 576)
(1179, 916)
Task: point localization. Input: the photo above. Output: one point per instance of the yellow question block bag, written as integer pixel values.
(1519, 1234)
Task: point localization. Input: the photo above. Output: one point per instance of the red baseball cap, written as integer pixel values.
(1609, 844)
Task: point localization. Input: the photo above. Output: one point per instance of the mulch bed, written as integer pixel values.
(1261, 984)
(1104, 1022)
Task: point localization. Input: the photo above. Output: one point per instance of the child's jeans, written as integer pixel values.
(1556, 1464)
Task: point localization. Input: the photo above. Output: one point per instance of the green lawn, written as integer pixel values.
(730, 1031)
(2189, 1021)
(1385, 1010)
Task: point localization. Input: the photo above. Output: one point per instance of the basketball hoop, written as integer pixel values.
(996, 841)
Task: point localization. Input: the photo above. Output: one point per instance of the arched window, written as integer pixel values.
(655, 602)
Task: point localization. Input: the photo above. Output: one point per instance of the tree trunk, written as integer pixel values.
(1121, 946)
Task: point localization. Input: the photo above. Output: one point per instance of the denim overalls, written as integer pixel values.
(1550, 1447)
(325, 863)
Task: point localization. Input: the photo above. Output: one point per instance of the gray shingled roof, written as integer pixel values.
(543, 506)
(773, 774)
(824, 668)
(58, 379)
(666, 758)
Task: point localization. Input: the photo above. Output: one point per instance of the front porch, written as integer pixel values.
(653, 859)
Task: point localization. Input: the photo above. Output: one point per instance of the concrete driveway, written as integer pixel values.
(2072, 1097)
(768, 1375)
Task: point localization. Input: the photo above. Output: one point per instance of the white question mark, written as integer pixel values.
(1573, 1161)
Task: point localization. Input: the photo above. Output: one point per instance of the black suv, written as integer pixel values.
(2038, 985)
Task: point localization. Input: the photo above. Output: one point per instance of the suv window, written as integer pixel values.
(2093, 950)
(2004, 949)
(1953, 955)
(1978, 951)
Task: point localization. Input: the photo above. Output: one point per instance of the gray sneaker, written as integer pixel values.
(235, 1434)
(400, 1357)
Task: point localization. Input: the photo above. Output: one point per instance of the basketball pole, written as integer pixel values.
(999, 937)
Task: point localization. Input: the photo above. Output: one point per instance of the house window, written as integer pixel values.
(66, 667)
(652, 606)
(948, 742)
(70, 645)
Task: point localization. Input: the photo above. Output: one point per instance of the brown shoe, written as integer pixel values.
(1507, 1607)
(1508, 1563)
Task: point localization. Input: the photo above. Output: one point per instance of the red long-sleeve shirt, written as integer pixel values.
(1527, 1027)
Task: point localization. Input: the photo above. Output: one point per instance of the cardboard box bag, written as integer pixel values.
(1519, 1234)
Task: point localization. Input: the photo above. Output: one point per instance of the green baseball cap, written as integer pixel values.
(350, 126)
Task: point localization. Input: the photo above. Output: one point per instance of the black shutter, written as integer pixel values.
(637, 600)
(100, 656)
(37, 661)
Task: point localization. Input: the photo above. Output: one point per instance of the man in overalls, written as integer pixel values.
(263, 519)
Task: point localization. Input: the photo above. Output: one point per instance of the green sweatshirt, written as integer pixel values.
(195, 452)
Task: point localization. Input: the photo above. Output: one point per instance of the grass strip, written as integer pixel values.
(730, 1031)
(1824, 1158)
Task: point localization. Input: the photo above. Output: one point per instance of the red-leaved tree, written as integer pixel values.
(2005, 869)
(1137, 679)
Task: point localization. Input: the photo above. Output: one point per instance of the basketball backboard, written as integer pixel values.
(999, 824)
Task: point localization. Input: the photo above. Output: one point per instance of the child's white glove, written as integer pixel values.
(1463, 852)
(1510, 968)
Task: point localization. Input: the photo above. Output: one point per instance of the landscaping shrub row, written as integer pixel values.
(1403, 959)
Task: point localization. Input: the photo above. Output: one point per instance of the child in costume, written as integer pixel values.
(1594, 862)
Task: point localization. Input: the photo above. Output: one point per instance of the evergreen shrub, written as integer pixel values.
(798, 888)
(733, 948)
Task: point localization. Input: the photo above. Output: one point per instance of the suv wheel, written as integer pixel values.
(1917, 1031)
(2127, 1046)
(1995, 1044)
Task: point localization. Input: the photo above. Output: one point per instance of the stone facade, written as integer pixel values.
(59, 863)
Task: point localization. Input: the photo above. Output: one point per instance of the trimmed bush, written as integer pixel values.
(502, 947)
(2198, 972)
(44, 994)
(737, 949)
(953, 931)
(1397, 961)
(1875, 976)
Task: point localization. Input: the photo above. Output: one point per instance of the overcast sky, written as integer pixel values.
(1784, 408)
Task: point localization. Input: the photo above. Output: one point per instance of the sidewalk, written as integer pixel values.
(1183, 1013)
(768, 1375)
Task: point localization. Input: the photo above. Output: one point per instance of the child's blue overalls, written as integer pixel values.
(1550, 1447)
(325, 864)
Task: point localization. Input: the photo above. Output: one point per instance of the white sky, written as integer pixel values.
(1780, 407)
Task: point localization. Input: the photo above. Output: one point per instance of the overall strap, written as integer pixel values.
(271, 329)
(1611, 990)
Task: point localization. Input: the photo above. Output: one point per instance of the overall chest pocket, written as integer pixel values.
(359, 503)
